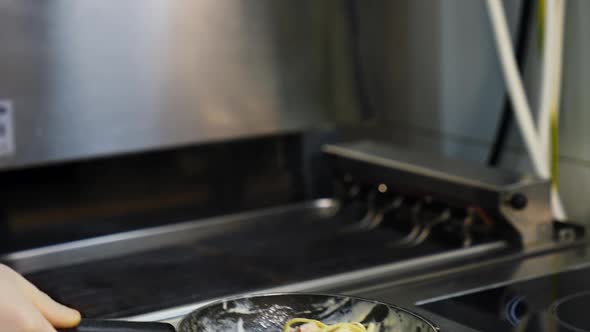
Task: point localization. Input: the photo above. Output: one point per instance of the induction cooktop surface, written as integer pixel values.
(557, 302)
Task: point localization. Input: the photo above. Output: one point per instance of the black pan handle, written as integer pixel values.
(101, 325)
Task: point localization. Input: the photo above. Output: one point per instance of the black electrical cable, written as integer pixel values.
(366, 109)
(507, 117)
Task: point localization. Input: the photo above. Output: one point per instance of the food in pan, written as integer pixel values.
(312, 325)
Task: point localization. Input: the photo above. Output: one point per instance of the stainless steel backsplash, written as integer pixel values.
(100, 77)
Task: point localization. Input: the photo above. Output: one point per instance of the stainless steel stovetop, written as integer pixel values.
(301, 247)
(458, 298)
(110, 276)
(421, 233)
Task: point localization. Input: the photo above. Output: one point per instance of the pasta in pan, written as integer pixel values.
(312, 325)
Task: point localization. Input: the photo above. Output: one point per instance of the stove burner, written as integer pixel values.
(571, 312)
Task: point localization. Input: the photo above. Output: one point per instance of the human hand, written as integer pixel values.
(24, 308)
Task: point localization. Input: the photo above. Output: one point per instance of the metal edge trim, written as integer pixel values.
(526, 254)
(499, 284)
(322, 203)
(381, 161)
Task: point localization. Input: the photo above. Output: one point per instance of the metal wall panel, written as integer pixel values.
(100, 77)
(432, 66)
(575, 107)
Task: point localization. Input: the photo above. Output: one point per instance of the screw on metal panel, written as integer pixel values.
(566, 235)
(518, 201)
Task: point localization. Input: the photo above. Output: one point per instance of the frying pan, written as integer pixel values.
(270, 312)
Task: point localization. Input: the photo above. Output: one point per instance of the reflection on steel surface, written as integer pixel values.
(100, 77)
